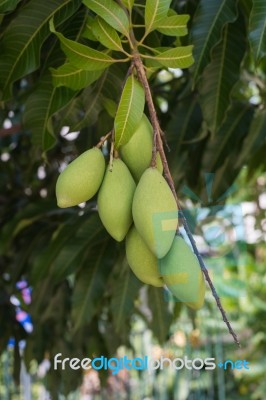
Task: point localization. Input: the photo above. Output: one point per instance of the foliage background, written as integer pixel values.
(84, 298)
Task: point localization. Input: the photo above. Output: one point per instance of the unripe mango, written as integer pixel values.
(182, 274)
(115, 200)
(155, 212)
(81, 179)
(141, 260)
(137, 153)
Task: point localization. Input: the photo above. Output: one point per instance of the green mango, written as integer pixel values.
(115, 200)
(141, 260)
(181, 272)
(155, 212)
(81, 179)
(137, 152)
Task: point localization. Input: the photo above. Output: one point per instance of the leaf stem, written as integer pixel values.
(149, 48)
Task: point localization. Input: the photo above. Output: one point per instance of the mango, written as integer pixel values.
(137, 153)
(155, 212)
(181, 272)
(141, 260)
(81, 179)
(115, 200)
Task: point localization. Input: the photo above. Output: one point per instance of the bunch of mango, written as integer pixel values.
(134, 202)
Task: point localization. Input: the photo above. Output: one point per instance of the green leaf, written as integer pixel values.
(90, 284)
(23, 218)
(48, 254)
(161, 317)
(257, 29)
(111, 12)
(89, 233)
(87, 31)
(124, 293)
(178, 57)
(129, 112)
(20, 47)
(155, 11)
(255, 138)
(8, 5)
(128, 4)
(110, 106)
(40, 106)
(82, 56)
(89, 106)
(106, 35)
(207, 28)
(220, 76)
(185, 122)
(74, 78)
(175, 25)
(229, 136)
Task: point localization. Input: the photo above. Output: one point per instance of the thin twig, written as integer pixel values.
(159, 144)
(103, 139)
(112, 150)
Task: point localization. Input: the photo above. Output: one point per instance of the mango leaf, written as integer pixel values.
(129, 112)
(210, 18)
(84, 110)
(48, 254)
(81, 56)
(161, 317)
(87, 31)
(185, 122)
(90, 284)
(111, 12)
(175, 25)
(89, 233)
(257, 29)
(124, 293)
(40, 106)
(178, 57)
(110, 106)
(20, 48)
(230, 135)
(106, 35)
(255, 139)
(89, 106)
(74, 78)
(128, 4)
(8, 5)
(220, 76)
(155, 11)
(23, 218)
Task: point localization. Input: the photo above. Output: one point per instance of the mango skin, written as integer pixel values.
(141, 260)
(137, 153)
(153, 207)
(182, 274)
(81, 179)
(115, 200)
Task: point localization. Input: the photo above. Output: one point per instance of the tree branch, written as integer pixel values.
(159, 145)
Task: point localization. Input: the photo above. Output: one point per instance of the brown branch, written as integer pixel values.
(103, 139)
(10, 131)
(159, 145)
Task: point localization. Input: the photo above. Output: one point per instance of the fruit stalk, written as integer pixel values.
(158, 145)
